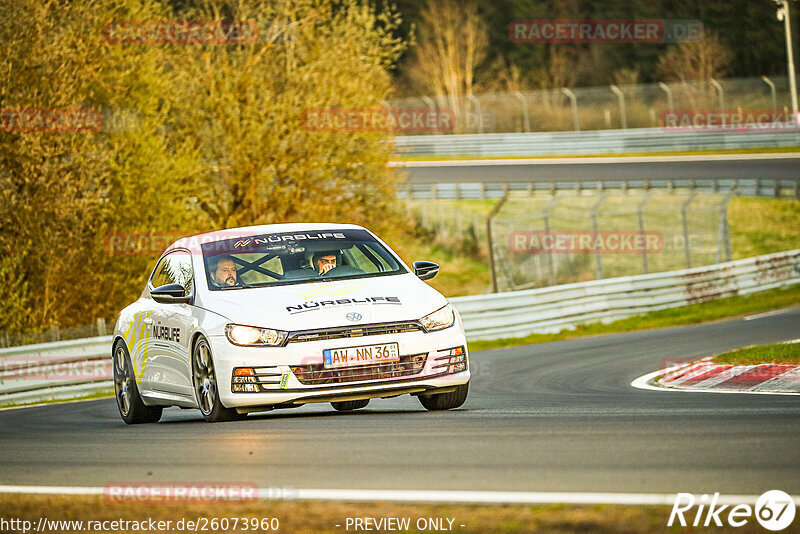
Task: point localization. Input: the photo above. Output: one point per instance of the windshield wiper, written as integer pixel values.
(237, 286)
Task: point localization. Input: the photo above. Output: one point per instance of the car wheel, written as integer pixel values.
(131, 407)
(206, 388)
(445, 401)
(349, 406)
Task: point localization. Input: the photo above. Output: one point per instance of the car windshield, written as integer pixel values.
(295, 258)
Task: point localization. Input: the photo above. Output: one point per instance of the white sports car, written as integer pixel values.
(277, 316)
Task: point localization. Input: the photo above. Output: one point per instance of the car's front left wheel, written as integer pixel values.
(131, 407)
(206, 387)
(349, 406)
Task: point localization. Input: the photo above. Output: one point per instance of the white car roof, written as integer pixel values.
(231, 233)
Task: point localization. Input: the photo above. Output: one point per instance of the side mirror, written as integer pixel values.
(425, 270)
(171, 294)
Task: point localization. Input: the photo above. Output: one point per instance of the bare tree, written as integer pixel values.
(694, 60)
(452, 42)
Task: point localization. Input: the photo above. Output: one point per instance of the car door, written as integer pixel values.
(168, 359)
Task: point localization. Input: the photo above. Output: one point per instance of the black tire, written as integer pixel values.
(131, 407)
(206, 388)
(349, 406)
(445, 401)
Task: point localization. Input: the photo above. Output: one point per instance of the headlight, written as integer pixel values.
(440, 319)
(252, 336)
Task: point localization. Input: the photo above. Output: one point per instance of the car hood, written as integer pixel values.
(328, 304)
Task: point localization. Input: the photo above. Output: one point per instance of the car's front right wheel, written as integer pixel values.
(206, 387)
(445, 401)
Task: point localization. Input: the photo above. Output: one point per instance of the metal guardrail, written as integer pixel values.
(66, 369)
(587, 142)
(58, 370)
(495, 190)
(551, 309)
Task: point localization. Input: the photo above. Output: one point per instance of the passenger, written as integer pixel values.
(324, 261)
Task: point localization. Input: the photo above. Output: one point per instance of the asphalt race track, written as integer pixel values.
(765, 167)
(552, 417)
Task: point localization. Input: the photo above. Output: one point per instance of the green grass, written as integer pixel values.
(776, 353)
(765, 150)
(459, 274)
(763, 225)
(322, 516)
(692, 314)
(98, 395)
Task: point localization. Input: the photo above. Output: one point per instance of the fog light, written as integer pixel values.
(245, 388)
(244, 375)
(457, 361)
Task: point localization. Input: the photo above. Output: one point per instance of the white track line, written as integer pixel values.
(590, 160)
(765, 314)
(427, 496)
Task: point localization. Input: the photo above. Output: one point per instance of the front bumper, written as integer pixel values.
(279, 384)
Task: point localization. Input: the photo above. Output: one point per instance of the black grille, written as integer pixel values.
(316, 374)
(353, 331)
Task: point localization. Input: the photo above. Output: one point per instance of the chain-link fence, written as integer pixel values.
(601, 108)
(571, 237)
(100, 327)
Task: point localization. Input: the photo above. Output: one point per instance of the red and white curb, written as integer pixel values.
(703, 375)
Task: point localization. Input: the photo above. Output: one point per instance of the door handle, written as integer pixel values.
(147, 321)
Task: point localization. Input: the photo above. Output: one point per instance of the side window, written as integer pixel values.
(175, 268)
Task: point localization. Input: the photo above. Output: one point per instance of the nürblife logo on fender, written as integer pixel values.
(774, 510)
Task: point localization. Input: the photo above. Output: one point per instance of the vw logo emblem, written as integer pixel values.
(353, 316)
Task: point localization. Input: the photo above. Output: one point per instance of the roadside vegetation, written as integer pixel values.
(775, 353)
(324, 516)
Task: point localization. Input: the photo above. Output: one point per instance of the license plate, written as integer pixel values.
(363, 355)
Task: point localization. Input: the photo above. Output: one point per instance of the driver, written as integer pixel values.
(324, 261)
(223, 272)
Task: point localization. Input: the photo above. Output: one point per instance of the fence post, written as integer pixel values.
(54, 335)
(101, 327)
(720, 93)
(573, 101)
(622, 113)
(526, 120)
(478, 112)
(685, 222)
(429, 102)
(640, 215)
(595, 230)
(491, 215)
(664, 87)
(724, 239)
(548, 210)
(772, 94)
